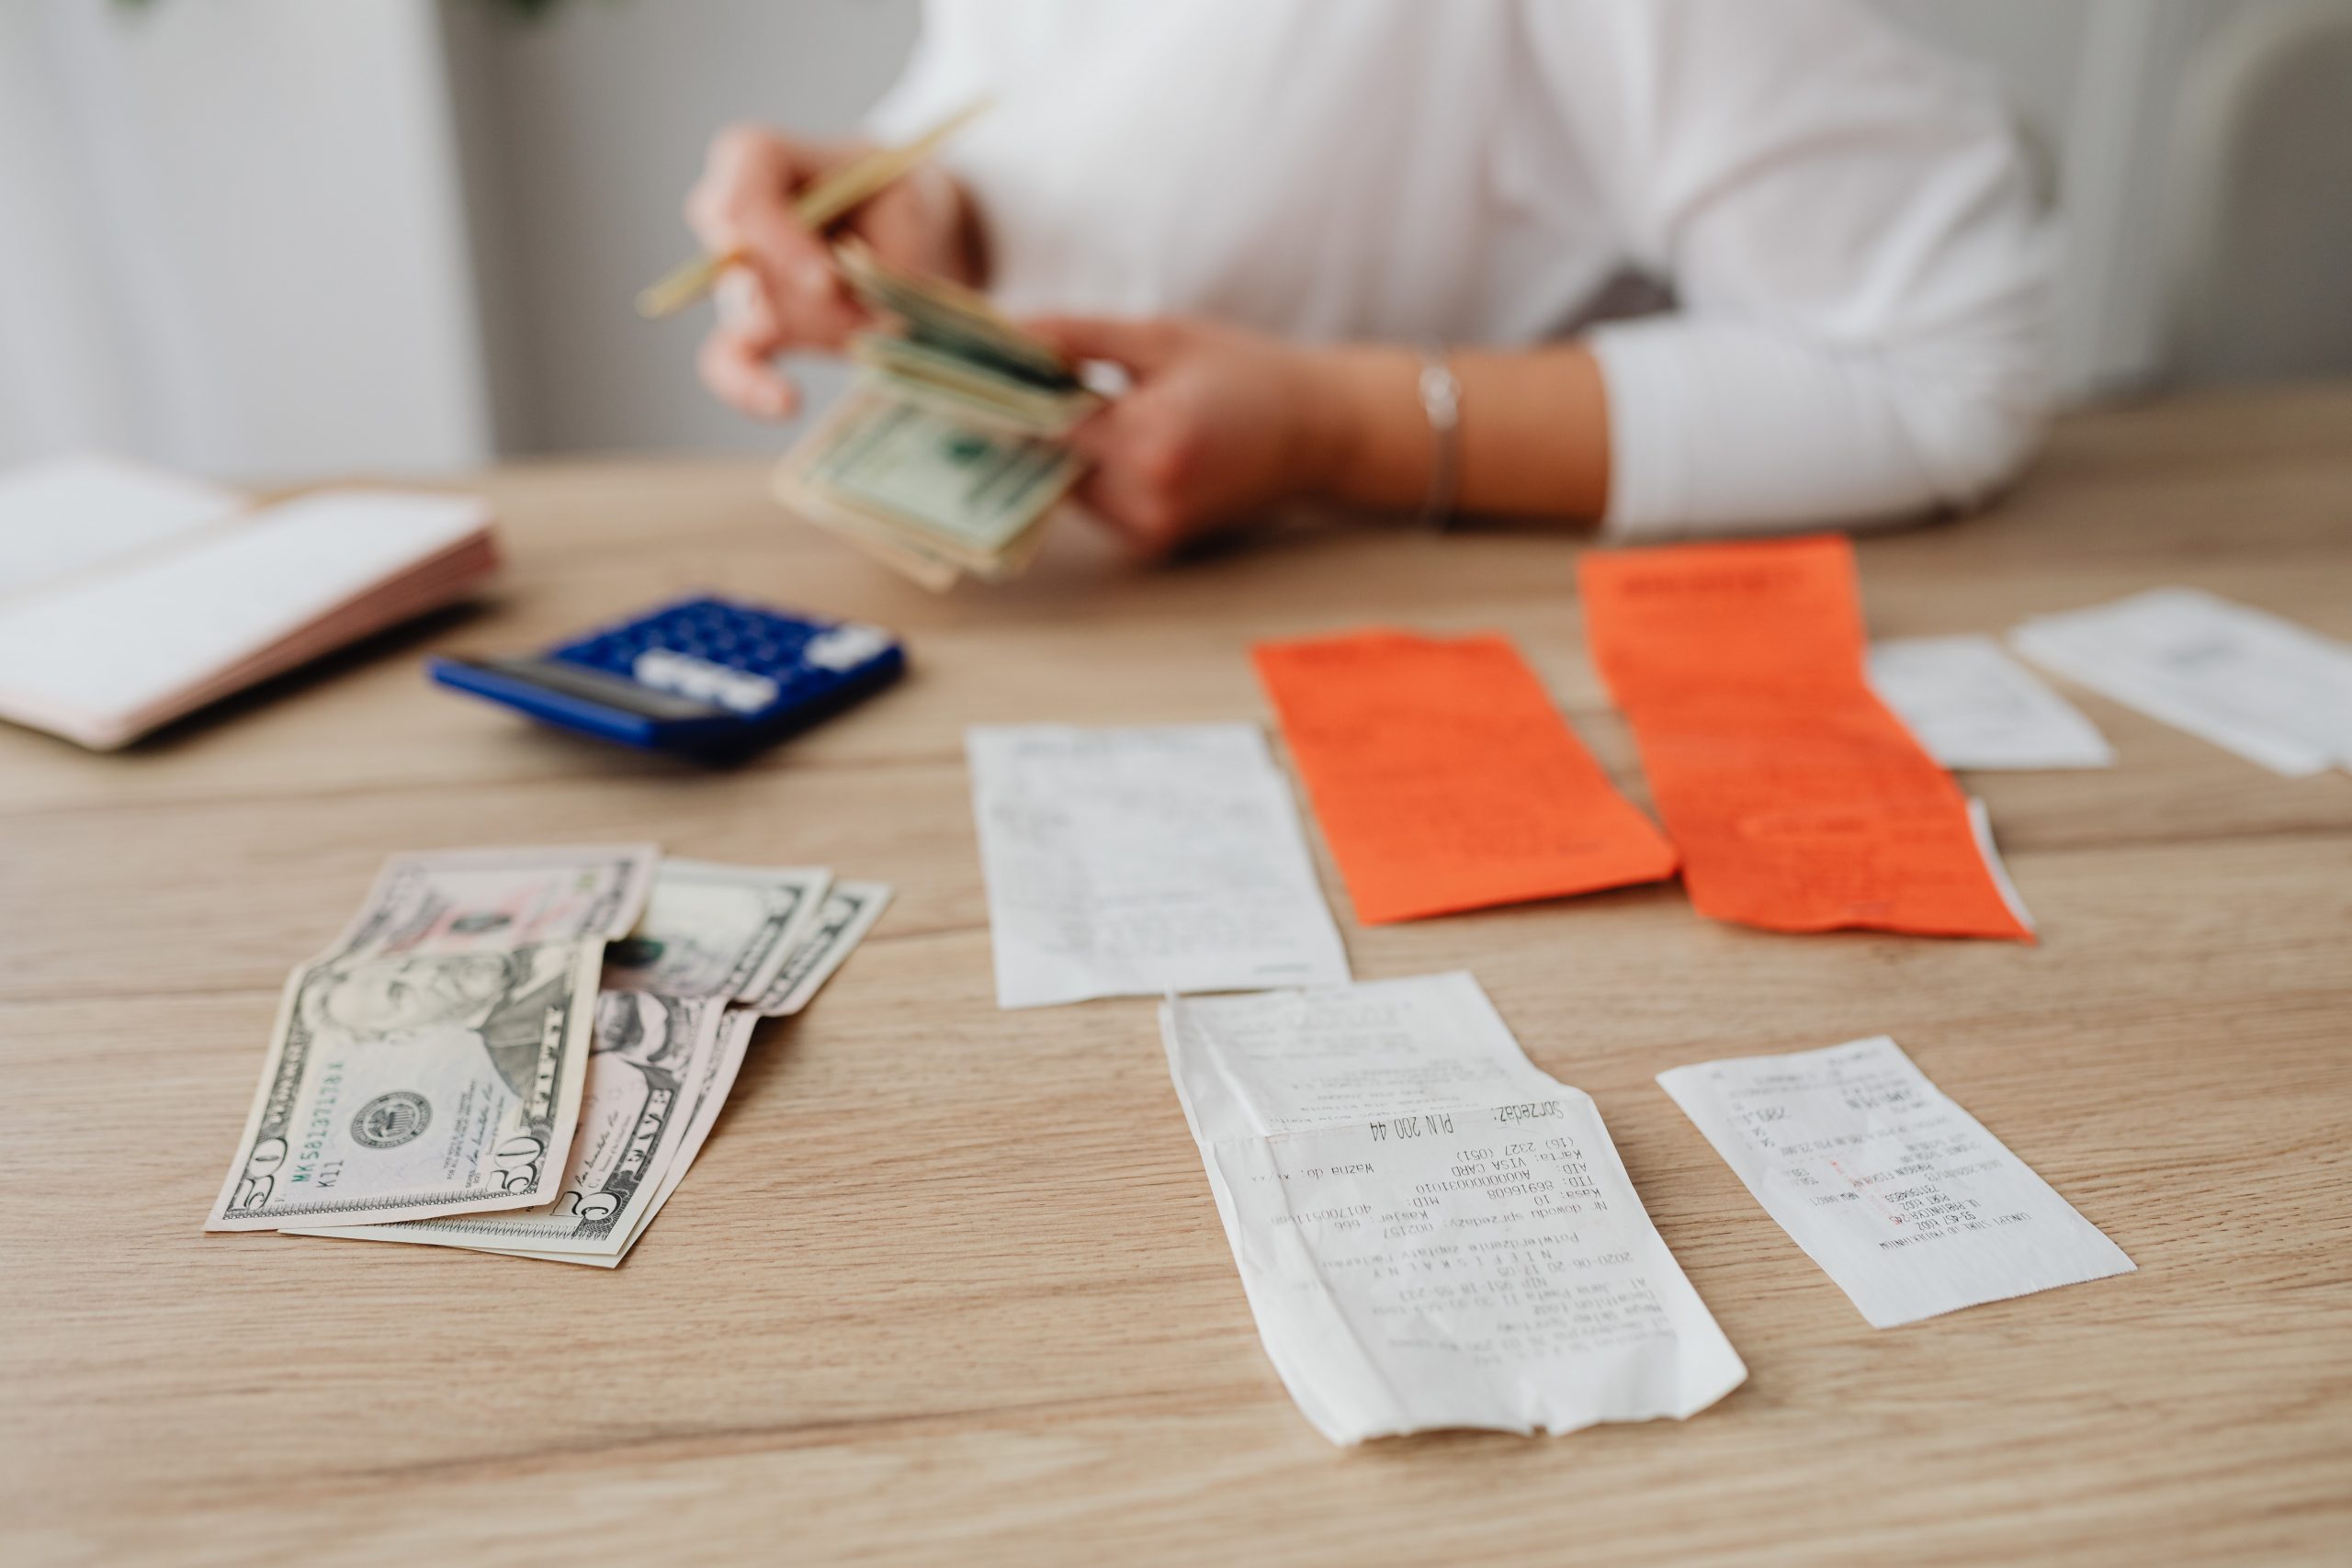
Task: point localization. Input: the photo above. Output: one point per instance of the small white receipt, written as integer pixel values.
(2250, 683)
(1907, 1202)
(1974, 706)
(1431, 1232)
(1138, 862)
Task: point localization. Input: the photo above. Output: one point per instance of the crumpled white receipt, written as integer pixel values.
(1974, 706)
(1903, 1198)
(1136, 862)
(1431, 1232)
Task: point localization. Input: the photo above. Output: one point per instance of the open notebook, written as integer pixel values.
(130, 597)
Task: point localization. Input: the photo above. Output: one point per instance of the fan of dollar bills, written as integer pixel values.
(521, 1051)
(945, 456)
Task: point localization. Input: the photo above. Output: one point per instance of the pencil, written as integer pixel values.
(831, 198)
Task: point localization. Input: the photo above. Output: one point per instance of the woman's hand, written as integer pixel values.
(1218, 424)
(787, 295)
(1223, 423)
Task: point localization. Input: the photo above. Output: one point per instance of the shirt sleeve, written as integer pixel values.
(1848, 225)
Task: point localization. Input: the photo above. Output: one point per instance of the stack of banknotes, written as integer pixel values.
(945, 456)
(521, 1051)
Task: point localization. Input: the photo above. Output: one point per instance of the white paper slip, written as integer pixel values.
(69, 514)
(1431, 1231)
(1907, 1202)
(2250, 683)
(1980, 823)
(1137, 861)
(1974, 706)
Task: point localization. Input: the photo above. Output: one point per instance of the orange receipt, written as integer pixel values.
(1445, 779)
(1798, 802)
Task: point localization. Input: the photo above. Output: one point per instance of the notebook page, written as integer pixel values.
(90, 659)
(66, 515)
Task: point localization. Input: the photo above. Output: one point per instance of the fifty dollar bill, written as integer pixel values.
(430, 1061)
(710, 933)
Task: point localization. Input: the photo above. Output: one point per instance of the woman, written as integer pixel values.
(1356, 250)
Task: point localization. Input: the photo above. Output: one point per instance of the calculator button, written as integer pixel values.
(738, 691)
(845, 647)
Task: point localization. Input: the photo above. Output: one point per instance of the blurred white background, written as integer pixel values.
(275, 239)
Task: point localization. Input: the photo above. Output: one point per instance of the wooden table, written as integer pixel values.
(947, 1284)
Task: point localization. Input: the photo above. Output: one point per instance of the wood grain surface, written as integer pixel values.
(947, 1284)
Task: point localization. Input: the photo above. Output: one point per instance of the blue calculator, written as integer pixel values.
(703, 678)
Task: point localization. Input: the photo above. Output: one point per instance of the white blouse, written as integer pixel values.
(1843, 217)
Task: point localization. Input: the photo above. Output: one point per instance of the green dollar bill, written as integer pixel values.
(430, 1061)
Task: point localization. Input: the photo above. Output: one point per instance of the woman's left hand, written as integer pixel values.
(1218, 424)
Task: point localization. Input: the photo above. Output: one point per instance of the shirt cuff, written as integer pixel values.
(1648, 461)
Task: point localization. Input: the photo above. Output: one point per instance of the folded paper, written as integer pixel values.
(1431, 1231)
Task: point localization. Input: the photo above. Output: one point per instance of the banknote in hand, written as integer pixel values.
(956, 498)
(947, 457)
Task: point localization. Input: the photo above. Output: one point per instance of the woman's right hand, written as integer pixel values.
(786, 293)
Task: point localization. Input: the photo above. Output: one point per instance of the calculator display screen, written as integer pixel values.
(592, 685)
